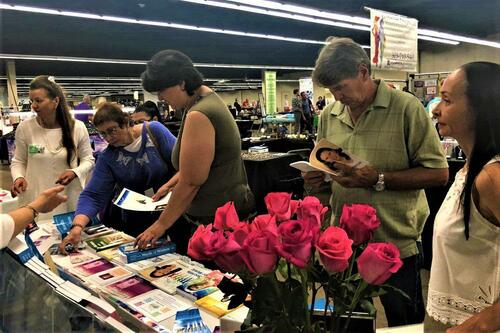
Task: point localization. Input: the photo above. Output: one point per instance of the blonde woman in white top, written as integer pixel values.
(464, 287)
(52, 148)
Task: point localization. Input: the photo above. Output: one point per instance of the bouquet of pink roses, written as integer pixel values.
(285, 258)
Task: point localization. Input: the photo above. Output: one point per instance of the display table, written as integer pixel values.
(281, 145)
(33, 298)
(270, 172)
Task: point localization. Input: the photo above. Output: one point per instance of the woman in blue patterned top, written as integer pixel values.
(137, 158)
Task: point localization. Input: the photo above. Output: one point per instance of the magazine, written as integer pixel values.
(109, 276)
(157, 305)
(323, 157)
(131, 200)
(202, 286)
(130, 287)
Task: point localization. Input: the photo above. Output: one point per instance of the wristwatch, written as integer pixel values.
(380, 184)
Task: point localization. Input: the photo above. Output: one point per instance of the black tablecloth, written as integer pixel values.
(272, 174)
(280, 145)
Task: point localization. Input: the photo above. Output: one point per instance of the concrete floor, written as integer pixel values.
(6, 182)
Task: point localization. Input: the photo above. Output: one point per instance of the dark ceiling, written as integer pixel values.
(41, 34)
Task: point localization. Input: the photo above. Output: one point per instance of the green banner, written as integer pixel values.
(270, 83)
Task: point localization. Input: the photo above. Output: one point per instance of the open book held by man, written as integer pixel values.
(324, 156)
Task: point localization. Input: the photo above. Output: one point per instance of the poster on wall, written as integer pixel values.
(393, 41)
(270, 91)
(306, 85)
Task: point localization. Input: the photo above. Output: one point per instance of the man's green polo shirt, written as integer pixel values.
(394, 133)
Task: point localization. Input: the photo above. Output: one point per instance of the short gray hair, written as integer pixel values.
(339, 60)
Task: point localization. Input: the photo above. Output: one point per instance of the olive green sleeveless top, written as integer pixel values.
(227, 179)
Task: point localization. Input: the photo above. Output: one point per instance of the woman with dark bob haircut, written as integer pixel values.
(464, 286)
(51, 148)
(207, 153)
(137, 158)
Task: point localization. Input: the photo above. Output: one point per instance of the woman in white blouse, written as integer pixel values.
(52, 148)
(464, 287)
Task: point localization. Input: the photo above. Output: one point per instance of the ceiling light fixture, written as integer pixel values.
(314, 14)
(38, 10)
(141, 62)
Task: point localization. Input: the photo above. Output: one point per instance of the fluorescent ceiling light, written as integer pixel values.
(141, 62)
(439, 40)
(155, 23)
(293, 16)
(314, 16)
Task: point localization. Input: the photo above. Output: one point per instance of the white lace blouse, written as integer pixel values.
(465, 274)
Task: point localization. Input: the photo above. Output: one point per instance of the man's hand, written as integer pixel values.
(49, 199)
(19, 186)
(351, 177)
(150, 235)
(66, 177)
(313, 179)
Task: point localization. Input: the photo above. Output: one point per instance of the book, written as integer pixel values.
(132, 254)
(109, 276)
(215, 303)
(202, 286)
(131, 200)
(157, 305)
(323, 157)
(189, 321)
(97, 230)
(108, 241)
(130, 287)
(146, 263)
(169, 275)
(92, 267)
(111, 254)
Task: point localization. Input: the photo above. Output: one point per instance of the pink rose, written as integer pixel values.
(228, 254)
(199, 242)
(295, 242)
(264, 222)
(334, 248)
(359, 221)
(311, 210)
(259, 252)
(378, 262)
(279, 204)
(226, 217)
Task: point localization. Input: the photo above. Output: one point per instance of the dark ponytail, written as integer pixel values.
(63, 117)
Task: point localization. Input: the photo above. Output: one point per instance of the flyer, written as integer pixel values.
(131, 200)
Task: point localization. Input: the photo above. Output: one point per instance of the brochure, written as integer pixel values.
(108, 241)
(109, 276)
(92, 267)
(323, 157)
(131, 200)
(157, 305)
(189, 321)
(215, 303)
(130, 287)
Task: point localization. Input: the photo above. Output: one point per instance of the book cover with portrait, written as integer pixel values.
(202, 286)
(325, 155)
